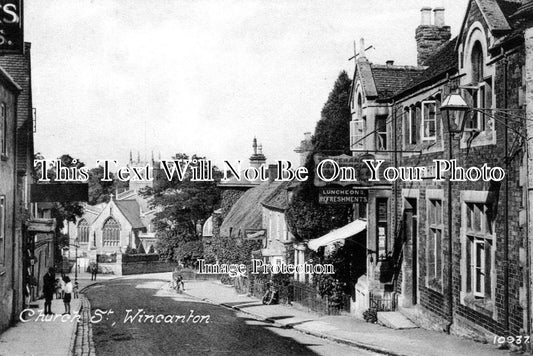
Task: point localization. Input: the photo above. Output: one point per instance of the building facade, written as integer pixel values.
(460, 247)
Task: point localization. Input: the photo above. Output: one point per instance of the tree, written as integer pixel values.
(100, 191)
(184, 206)
(307, 218)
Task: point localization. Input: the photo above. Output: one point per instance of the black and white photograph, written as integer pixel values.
(266, 177)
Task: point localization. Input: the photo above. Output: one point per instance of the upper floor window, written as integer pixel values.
(381, 133)
(83, 231)
(429, 120)
(357, 129)
(477, 63)
(359, 106)
(111, 233)
(479, 92)
(407, 126)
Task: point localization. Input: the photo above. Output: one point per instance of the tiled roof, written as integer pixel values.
(443, 61)
(494, 15)
(18, 66)
(132, 211)
(389, 79)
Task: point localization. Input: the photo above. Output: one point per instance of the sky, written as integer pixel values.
(201, 76)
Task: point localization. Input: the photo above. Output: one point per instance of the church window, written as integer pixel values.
(83, 231)
(111, 233)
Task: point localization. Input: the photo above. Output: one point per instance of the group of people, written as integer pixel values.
(61, 287)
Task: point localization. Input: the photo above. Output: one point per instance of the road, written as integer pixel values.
(125, 314)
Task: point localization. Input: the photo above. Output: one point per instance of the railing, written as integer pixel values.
(304, 295)
(385, 302)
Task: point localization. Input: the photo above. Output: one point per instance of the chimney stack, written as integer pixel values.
(272, 172)
(389, 63)
(429, 37)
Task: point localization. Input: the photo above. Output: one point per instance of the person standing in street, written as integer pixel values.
(94, 271)
(48, 290)
(67, 297)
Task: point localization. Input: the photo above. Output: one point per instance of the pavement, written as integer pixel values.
(64, 337)
(35, 335)
(344, 329)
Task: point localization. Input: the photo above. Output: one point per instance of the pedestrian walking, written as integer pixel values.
(67, 296)
(48, 290)
(94, 271)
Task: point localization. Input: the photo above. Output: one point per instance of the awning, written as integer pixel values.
(340, 234)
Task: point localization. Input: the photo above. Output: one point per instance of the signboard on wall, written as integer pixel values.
(59, 192)
(11, 26)
(342, 195)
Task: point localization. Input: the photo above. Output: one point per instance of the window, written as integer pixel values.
(407, 126)
(480, 91)
(357, 129)
(429, 120)
(111, 233)
(381, 133)
(479, 242)
(4, 128)
(382, 226)
(2, 229)
(480, 97)
(83, 231)
(434, 243)
(359, 106)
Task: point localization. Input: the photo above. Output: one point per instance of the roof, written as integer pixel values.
(233, 182)
(279, 198)
(247, 212)
(389, 79)
(131, 211)
(442, 62)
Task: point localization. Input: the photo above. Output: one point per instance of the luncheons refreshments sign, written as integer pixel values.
(11, 26)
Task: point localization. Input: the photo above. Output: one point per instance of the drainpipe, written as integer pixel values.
(450, 244)
(506, 205)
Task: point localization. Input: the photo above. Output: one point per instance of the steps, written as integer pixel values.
(395, 320)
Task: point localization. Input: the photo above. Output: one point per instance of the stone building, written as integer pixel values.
(460, 252)
(10, 247)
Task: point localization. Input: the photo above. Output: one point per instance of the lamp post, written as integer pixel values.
(76, 264)
(454, 111)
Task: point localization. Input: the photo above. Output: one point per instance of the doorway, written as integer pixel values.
(411, 240)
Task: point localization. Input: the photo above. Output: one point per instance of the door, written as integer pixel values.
(411, 241)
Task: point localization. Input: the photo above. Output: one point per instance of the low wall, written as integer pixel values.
(139, 267)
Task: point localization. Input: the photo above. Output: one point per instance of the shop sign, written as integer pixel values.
(342, 195)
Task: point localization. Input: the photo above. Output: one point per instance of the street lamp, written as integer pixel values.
(454, 111)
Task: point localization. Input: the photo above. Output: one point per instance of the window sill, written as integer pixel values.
(482, 305)
(4, 157)
(435, 285)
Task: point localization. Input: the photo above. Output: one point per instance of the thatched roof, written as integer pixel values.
(246, 213)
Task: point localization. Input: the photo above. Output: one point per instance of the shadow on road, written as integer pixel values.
(144, 317)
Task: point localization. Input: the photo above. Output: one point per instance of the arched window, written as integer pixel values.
(111, 233)
(477, 63)
(480, 90)
(83, 231)
(359, 106)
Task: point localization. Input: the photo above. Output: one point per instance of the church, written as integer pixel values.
(121, 225)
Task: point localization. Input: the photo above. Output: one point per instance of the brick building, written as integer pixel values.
(461, 251)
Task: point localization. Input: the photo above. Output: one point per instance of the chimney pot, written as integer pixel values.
(438, 16)
(307, 136)
(425, 16)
